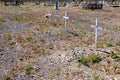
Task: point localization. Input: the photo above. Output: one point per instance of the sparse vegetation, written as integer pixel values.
(53, 23)
(108, 44)
(33, 47)
(2, 19)
(12, 42)
(27, 69)
(97, 77)
(7, 76)
(100, 45)
(87, 61)
(83, 32)
(118, 43)
(17, 18)
(115, 56)
(75, 33)
(28, 37)
(40, 51)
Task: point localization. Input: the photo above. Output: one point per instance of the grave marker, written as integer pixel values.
(56, 5)
(96, 33)
(49, 15)
(66, 18)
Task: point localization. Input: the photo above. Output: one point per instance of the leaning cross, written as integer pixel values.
(96, 32)
(66, 18)
(49, 15)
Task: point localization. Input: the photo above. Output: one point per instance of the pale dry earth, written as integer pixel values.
(28, 37)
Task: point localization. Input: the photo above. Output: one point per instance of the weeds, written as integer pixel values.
(115, 56)
(100, 45)
(118, 43)
(75, 33)
(47, 31)
(97, 77)
(27, 69)
(108, 44)
(82, 32)
(83, 60)
(117, 69)
(2, 19)
(7, 76)
(95, 59)
(17, 18)
(12, 42)
(40, 51)
(29, 38)
(87, 61)
(53, 23)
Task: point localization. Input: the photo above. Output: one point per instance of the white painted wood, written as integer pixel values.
(66, 18)
(96, 32)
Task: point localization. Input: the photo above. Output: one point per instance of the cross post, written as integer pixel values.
(66, 18)
(96, 33)
(49, 15)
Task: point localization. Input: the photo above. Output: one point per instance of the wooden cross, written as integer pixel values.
(96, 32)
(49, 15)
(66, 18)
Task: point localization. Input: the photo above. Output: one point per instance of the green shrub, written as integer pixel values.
(27, 69)
(82, 32)
(83, 60)
(100, 45)
(53, 23)
(87, 61)
(118, 43)
(95, 59)
(29, 38)
(2, 19)
(12, 42)
(115, 56)
(7, 76)
(41, 51)
(97, 77)
(108, 44)
(75, 33)
(17, 18)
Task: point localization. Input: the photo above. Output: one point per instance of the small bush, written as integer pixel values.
(95, 59)
(108, 44)
(87, 61)
(118, 43)
(7, 76)
(53, 23)
(97, 77)
(2, 19)
(82, 32)
(100, 45)
(17, 18)
(47, 31)
(40, 51)
(75, 34)
(115, 56)
(83, 60)
(27, 69)
(12, 42)
(29, 38)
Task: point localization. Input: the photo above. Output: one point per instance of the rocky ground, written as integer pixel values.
(33, 47)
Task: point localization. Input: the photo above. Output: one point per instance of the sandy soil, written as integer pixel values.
(35, 48)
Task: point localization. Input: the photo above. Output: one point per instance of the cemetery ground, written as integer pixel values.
(33, 47)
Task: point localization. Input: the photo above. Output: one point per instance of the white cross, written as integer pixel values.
(49, 14)
(66, 18)
(96, 32)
